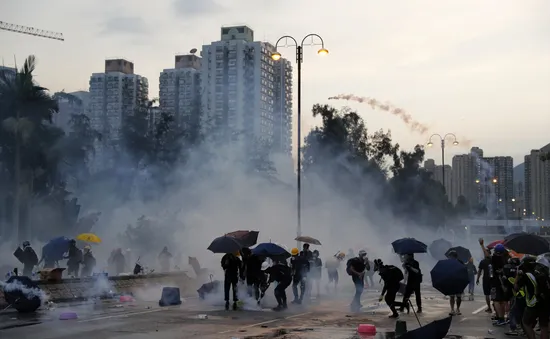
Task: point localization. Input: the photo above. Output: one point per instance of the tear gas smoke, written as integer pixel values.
(29, 293)
(414, 125)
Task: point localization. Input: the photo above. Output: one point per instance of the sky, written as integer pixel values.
(478, 69)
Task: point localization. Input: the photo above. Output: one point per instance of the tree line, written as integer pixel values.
(43, 169)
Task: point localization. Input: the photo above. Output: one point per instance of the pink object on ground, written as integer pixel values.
(366, 329)
(68, 316)
(126, 298)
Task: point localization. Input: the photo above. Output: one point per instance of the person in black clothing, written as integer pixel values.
(483, 270)
(316, 268)
(252, 272)
(392, 276)
(356, 267)
(281, 273)
(299, 267)
(75, 258)
(30, 259)
(455, 299)
(499, 292)
(232, 267)
(414, 279)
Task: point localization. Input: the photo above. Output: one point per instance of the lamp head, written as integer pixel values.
(430, 144)
(276, 56)
(455, 142)
(322, 51)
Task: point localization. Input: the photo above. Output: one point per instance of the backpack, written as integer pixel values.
(393, 273)
(348, 266)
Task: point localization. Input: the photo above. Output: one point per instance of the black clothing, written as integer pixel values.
(75, 258)
(252, 272)
(392, 276)
(299, 266)
(280, 273)
(88, 264)
(232, 267)
(358, 265)
(484, 268)
(30, 259)
(413, 282)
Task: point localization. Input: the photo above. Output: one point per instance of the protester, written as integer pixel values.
(280, 273)
(472, 271)
(28, 258)
(483, 270)
(75, 258)
(299, 268)
(316, 268)
(499, 294)
(414, 280)
(355, 267)
(332, 265)
(455, 299)
(88, 262)
(518, 305)
(116, 262)
(535, 284)
(232, 266)
(392, 276)
(369, 274)
(252, 272)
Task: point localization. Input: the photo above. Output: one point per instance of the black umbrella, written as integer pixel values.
(526, 243)
(209, 288)
(23, 294)
(409, 246)
(449, 277)
(463, 253)
(439, 247)
(225, 245)
(246, 238)
(435, 330)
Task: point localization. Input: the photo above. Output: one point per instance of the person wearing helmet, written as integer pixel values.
(281, 273)
(28, 258)
(332, 265)
(498, 284)
(299, 268)
(232, 266)
(75, 258)
(88, 262)
(356, 267)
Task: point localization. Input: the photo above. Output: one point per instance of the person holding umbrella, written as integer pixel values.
(457, 298)
(232, 266)
(414, 279)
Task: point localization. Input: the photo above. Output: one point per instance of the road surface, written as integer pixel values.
(329, 317)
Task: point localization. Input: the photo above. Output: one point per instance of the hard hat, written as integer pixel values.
(265, 266)
(87, 247)
(340, 255)
(294, 251)
(362, 253)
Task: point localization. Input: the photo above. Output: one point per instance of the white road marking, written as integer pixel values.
(264, 323)
(463, 319)
(482, 308)
(120, 315)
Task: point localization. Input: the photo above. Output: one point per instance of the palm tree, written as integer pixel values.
(24, 107)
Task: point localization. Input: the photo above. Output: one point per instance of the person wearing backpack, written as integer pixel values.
(30, 259)
(355, 267)
(392, 276)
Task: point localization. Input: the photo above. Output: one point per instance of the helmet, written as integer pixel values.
(26, 243)
(340, 255)
(362, 253)
(265, 265)
(294, 251)
(500, 248)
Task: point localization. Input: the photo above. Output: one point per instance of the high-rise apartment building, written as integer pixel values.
(464, 179)
(245, 91)
(537, 184)
(180, 90)
(114, 95)
(501, 174)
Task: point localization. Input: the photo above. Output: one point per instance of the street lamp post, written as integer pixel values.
(442, 139)
(299, 59)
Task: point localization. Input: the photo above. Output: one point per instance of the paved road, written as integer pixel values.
(328, 318)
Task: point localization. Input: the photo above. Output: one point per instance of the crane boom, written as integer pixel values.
(31, 31)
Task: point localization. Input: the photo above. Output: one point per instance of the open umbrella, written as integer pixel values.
(271, 250)
(409, 246)
(544, 259)
(89, 237)
(527, 243)
(435, 330)
(246, 238)
(225, 245)
(439, 247)
(55, 248)
(449, 277)
(308, 240)
(463, 253)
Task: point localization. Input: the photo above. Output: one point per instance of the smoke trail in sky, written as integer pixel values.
(414, 125)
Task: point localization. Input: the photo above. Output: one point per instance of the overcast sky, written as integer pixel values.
(479, 69)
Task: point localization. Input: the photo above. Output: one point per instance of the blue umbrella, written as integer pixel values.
(409, 246)
(269, 249)
(449, 277)
(55, 248)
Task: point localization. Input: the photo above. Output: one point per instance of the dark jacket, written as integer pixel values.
(299, 266)
(280, 273)
(252, 266)
(231, 265)
(392, 276)
(413, 271)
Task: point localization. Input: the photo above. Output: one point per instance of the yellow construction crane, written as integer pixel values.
(31, 31)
